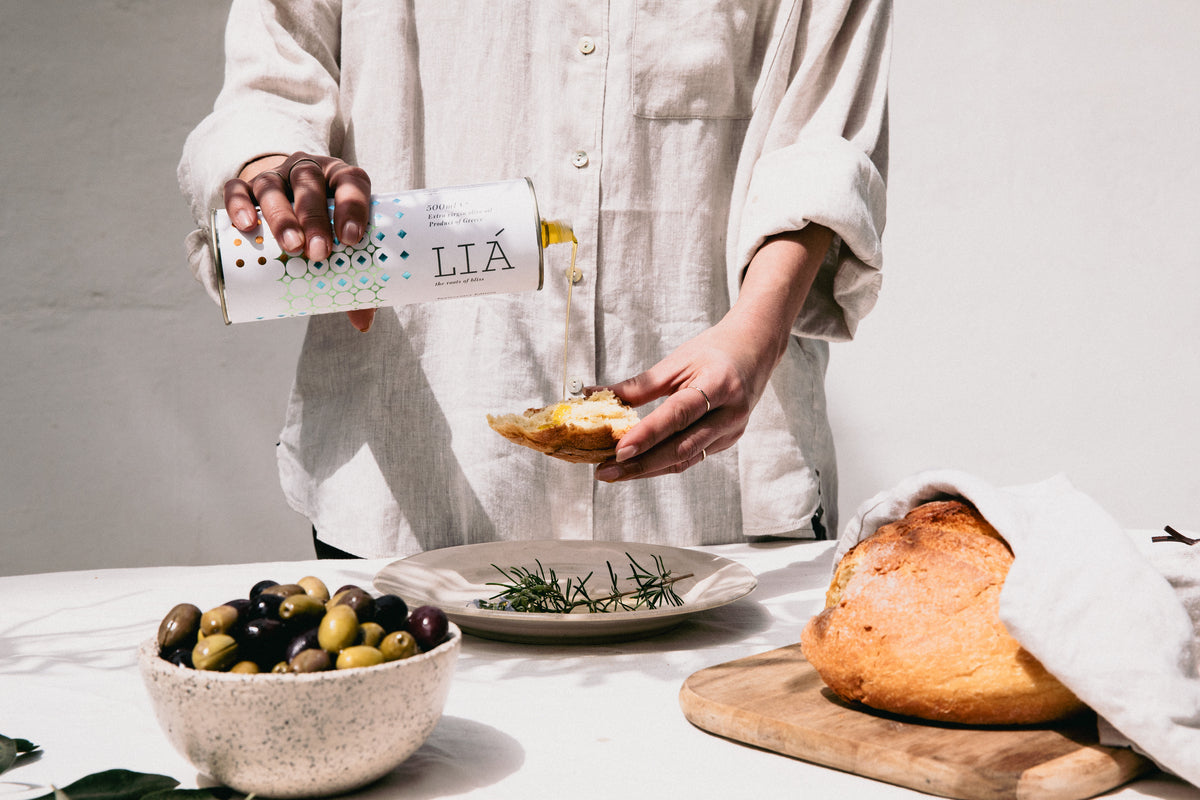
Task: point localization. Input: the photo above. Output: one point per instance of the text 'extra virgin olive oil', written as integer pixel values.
(557, 232)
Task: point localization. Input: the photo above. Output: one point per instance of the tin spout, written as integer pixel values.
(556, 232)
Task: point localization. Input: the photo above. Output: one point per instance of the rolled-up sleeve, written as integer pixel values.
(816, 152)
(280, 95)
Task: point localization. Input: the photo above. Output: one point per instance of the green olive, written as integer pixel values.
(301, 606)
(179, 626)
(245, 668)
(218, 620)
(280, 668)
(398, 645)
(284, 590)
(310, 660)
(359, 656)
(338, 629)
(371, 634)
(218, 651)
(315, 588)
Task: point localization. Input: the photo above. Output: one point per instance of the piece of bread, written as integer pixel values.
(911, 626)
(583, 430)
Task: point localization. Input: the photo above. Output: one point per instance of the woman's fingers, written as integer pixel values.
(677, 435)
(674, 455)
(678, 412)
(306, 180)
(273, 194)
(708, 386)
(294, 198)
(361, 318)
(351, 190)
(240, 205)
(293, 194)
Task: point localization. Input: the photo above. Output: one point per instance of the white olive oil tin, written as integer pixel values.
(422, 245)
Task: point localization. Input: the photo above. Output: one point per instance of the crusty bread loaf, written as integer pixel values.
(580, 430)
(911, 626)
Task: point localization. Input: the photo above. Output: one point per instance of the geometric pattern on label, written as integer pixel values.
(353, 276)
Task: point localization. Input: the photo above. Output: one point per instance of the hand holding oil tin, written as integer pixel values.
(419, 246)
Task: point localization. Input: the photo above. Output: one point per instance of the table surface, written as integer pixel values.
(591, 720)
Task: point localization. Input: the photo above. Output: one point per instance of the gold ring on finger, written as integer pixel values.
(274, 172)
(292, 169)
(707, 405)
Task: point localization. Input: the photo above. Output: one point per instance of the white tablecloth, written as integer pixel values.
(579, 721)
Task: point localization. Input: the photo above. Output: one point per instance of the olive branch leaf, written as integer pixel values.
(11, 750)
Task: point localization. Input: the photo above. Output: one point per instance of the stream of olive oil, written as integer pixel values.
(567, 324)
(557, 232)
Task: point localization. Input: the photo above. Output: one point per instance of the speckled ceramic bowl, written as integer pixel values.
(313, 735)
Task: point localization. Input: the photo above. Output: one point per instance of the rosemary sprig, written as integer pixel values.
(540, 591)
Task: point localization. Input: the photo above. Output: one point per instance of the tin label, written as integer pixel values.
(423, 245)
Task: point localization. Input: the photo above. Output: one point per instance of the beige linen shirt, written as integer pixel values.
(674, 137)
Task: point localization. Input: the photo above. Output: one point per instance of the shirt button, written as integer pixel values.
(575, 385)
(587, 45)
(580, 160)
(576, 274)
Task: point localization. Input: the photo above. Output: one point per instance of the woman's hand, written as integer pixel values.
(714, 381)
(293, 193)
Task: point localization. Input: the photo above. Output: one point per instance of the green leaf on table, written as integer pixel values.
(113, 784)
(11, 749)
(8, 752)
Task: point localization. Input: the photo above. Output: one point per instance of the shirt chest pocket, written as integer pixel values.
(695, 59)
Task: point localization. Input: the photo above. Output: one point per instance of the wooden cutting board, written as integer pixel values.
(777, 701)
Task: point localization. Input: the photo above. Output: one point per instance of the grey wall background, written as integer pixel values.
(1040, 314)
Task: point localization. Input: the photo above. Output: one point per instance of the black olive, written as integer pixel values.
(265, 606)
(242, 605)
(303, 641)
(391, 612)
(263, 641)
(362, 603)
(429, 626)
(180, 656)
(256, 590)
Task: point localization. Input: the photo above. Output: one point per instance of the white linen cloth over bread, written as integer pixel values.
(1087, 603)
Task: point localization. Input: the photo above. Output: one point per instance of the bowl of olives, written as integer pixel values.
(293, 691)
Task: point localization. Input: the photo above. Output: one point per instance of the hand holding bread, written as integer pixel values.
(580, 430)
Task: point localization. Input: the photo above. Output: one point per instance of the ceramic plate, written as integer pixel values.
(453, 578)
